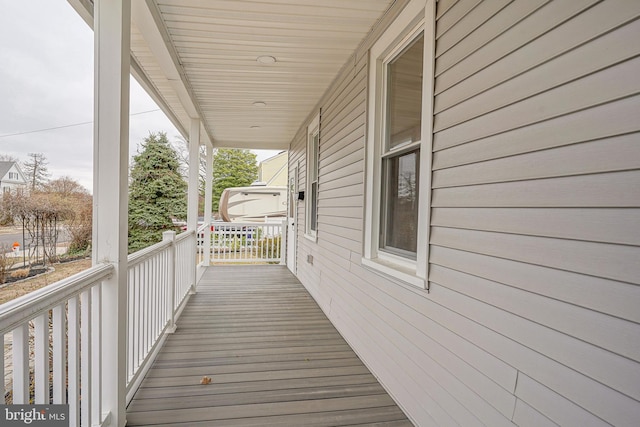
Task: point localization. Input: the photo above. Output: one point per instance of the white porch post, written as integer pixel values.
(112, 21)
(208, 199)
(194, 167)
(170, 236)
(192, 199)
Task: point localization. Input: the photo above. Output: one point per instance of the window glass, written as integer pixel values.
(314, 206)
(400, 207)
(313, 150)
(404, 96)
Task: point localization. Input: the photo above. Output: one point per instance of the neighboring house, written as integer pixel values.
(273, 171)
(466, 190)
(12, 179)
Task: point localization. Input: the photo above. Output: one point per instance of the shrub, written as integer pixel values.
(22, 273)
(6, 261)
(269, 247)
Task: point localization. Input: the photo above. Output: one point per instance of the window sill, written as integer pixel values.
(311, 237)
(395, 272)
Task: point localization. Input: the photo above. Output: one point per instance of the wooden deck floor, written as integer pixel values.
(273, 357)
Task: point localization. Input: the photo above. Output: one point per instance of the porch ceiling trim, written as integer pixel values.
(198, 59)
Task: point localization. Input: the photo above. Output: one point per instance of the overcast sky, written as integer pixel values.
(46, 81)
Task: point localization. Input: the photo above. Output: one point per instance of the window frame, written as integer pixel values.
(312, 175)
(417, 18)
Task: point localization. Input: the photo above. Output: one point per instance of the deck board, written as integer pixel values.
(273, 357)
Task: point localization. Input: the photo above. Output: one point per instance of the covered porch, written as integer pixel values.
(221, 344)
(272, 357)
(109, 341)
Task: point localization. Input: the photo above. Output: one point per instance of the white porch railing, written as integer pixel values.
(244, 242)
(55, 344)
(159, 280)
(55, 357)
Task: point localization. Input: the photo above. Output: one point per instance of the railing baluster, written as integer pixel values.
(150, 286)
(59, 355)
(96, 355)
(130, 317)
(3, 390)
(137, 327)
(73, 344)
(21, 365)
(41, 350)
(152, 301)
(143, 305)
(85, 358)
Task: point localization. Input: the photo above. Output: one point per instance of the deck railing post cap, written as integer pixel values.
(168, 235)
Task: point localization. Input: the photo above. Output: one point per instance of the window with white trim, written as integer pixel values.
(311, 197)
(399, 149)
(400, 153)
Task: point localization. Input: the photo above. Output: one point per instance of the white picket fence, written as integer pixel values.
(54, 331)
(244, 242)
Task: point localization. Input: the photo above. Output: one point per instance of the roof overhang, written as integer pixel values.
(200, 59)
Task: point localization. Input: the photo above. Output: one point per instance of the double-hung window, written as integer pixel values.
(311, 199)
(399, 149)
(400, 154)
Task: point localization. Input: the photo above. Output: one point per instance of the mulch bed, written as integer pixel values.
(35, 270)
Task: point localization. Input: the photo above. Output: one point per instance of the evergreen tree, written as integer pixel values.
(157, 192)
(232, 168)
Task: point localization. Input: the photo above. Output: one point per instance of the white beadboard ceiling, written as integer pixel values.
(199, 57)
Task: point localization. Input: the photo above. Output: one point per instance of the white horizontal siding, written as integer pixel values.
(554, 405)
(495, 305)
(448, 54)
(579, 62)
(618, 153)
(536, 190)
(520, 59)
(615, 262)
(606, 225)
(532, 314)
(615, 82)
(594, 293)
(526, 416)
(579, 126)
(618, 189)
(510, 38)
(484, 11)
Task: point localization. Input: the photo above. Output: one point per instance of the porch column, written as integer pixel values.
(194, 190)
(194, 168)
(208, 196)
(112, 20)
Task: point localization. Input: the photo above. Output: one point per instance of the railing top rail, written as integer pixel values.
(185, 235)
(148, 252)
(216, 225)
(27, 307)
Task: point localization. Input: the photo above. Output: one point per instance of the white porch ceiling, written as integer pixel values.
(200, 58)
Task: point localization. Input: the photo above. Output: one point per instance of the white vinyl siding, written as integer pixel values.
(532, 314)
(535, 196)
